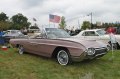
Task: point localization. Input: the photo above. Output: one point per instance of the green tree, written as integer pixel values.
(19, 21)
(5, 25)
(62, 23)
(35, 26)
(85, 25)
(3, 16)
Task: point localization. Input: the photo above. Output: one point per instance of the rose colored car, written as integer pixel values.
(58, 44)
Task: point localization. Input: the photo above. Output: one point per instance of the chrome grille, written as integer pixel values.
(100, 50)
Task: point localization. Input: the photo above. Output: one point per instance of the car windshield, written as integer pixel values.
(56, 33)
(101, 32)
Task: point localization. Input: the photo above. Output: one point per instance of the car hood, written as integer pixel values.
(87, 43)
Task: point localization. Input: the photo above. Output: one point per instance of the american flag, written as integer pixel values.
(54, 18)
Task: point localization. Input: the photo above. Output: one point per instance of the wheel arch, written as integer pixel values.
(17, 45)
(54, 54)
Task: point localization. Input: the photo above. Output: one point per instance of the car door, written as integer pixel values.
(29, 45)
(41, 46)
(90, 35)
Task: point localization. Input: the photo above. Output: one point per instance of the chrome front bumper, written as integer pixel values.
(99, 52)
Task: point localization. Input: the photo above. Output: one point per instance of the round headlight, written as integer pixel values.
(91, 51)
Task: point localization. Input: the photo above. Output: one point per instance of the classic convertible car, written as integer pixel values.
(58, 44)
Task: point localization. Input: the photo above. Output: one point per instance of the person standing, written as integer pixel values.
(2, 41)
(113, 41)
(111, 30)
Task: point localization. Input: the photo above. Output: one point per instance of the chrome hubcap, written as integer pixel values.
(21, 49)
(62, 57)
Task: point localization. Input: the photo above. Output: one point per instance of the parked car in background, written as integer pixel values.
(10, 34)
(36, 33)
(111, 30)
(57, 43)
(97, 34)
(118, 30)
(115, 30)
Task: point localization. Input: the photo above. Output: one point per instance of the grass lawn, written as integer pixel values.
(27, 66)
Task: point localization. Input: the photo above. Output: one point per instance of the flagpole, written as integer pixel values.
(78, 24)
(91, 20)
(49, 24)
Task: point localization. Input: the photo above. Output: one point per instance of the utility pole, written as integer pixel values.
(91, 20)
(78, 24)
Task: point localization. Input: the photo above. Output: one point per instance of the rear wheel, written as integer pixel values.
(21, 49)
(63, 57)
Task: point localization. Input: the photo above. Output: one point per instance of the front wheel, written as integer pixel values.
(21, 49)
(63, 57)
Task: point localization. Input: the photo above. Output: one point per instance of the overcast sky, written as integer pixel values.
(103, 10)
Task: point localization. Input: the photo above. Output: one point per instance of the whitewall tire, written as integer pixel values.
(21, 49)
(63, 57)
